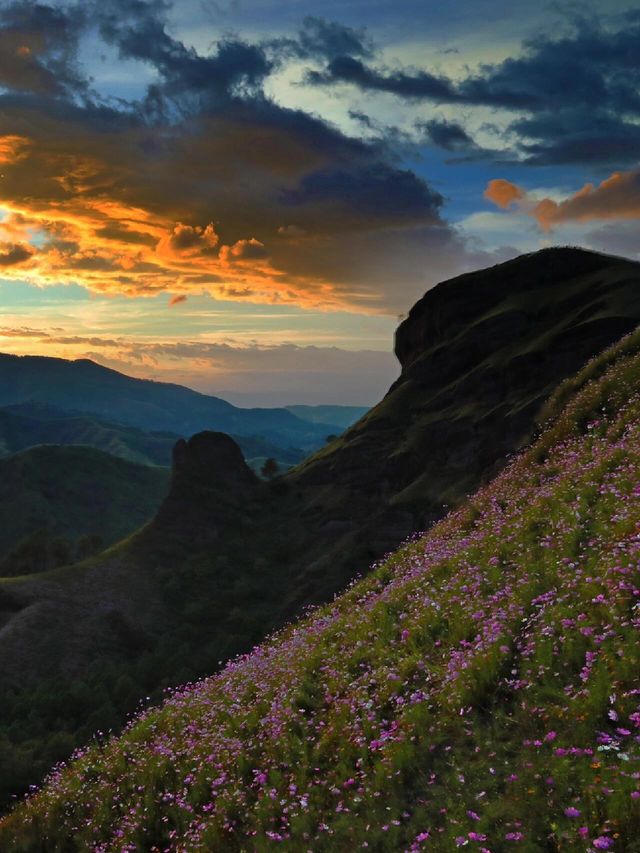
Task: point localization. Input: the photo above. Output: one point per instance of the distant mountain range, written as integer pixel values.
(343, 416)
(28, 424)
(228, 558)
(83, 386)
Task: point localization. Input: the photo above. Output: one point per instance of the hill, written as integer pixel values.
(486, 695)
(84, 386)
(26, 425)
(74, 492)
(343, 416)
(229, 558)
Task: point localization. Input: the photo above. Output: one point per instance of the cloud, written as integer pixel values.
(244, 250)
(13, 254)
(38, 47)
(616, 197)
(12, 148)
(503, 193)
(412, 85)
(576, 93)
(328, 39)
(447, 134)
(22, 332)
(186, 189)
(189, 240)
(177, 299)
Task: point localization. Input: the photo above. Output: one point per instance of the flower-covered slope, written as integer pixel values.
(480, 689)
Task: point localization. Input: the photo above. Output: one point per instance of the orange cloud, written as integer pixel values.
(616, 197)
(177, 299)
(243, 250)
(189, 240)
(12, 148)
(503, 193)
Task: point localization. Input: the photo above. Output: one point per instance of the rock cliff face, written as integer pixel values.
(210, 483)
(212, 459)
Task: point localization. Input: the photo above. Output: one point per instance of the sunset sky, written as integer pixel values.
(245, 195)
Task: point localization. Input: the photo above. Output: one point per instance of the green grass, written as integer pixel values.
(479, 689)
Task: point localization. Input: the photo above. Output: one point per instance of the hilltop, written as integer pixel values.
(228, 558)
(486, 695)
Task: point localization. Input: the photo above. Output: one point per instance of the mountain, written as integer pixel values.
(479, 688)
(229, 558)
(27, 424)
(84, 386)
(73, 492)
(343, 416)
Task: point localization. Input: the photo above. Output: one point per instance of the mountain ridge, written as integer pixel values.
(83, 385)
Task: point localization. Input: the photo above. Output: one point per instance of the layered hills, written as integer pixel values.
(229, 558)
(478, 689)
(84, 386)
(27, 425)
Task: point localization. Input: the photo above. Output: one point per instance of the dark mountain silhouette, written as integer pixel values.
(229, 558)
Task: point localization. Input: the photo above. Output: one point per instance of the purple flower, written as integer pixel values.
(572, 812)
(602, 842)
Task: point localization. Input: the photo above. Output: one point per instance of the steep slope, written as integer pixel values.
(26, 425)
(215, 572)
(479, 689)
(74, 492)
(84, 386)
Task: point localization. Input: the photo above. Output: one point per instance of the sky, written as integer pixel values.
(246, 196)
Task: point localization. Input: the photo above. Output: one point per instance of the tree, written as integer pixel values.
(270, 468)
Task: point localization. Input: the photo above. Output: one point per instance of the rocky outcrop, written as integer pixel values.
(209, 480)
(212, 459)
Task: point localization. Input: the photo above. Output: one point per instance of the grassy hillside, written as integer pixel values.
(479, 688)
(220, 567)
(75, 491)
(84, 386)
(26, 425)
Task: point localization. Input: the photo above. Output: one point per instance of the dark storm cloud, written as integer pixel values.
(38, 46)
(419, 84)
(328, 39)
(447, 134)
(579, 94)
(206, 182)
(139, 31)
(376, 191)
